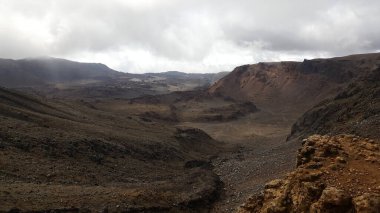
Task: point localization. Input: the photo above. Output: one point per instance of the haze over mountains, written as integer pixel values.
(37, 71)
(65, 78)
(88, 138)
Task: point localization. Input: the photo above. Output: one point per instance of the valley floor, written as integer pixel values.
(256, 153)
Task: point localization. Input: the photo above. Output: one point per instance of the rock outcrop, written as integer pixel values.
(334, 174)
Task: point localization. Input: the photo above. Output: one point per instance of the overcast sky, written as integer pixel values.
(187, 35)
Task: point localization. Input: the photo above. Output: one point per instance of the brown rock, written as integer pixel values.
(340, 159)
(332, 200)
(274, 184)
(367, 203)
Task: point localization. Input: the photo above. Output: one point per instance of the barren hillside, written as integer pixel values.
(294, 86)
(70, 156)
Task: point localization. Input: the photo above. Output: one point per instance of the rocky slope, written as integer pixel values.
(294, 86)
(69, 156)
(355, 110)
(334, 174)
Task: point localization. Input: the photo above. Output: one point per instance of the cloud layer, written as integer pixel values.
(191, 36)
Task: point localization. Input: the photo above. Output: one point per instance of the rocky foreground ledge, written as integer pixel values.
(334, 174)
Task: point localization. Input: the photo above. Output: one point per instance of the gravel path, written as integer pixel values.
(245, 171)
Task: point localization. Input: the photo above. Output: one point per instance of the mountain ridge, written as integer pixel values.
(299, 85)
(37, 71)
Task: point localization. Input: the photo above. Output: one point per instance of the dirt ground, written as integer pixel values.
(257, 152)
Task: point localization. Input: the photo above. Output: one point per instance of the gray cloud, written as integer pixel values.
(197, 35)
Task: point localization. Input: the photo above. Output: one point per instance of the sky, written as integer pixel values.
(187, 35)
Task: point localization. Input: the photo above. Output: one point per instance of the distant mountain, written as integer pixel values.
(294, 86)
(170, 74)
(207, 77)
(37, 71)
(60, 78)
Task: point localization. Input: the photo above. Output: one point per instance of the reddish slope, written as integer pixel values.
(293, 86)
